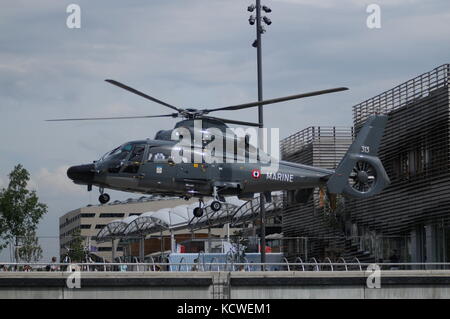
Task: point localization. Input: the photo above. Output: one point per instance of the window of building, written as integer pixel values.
(111, 215)
(85, 226)
(412, 163)
(87, 215)
(99, 226)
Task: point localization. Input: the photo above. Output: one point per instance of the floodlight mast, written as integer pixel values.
(257, 43)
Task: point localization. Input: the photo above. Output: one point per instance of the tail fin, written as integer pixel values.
(361, 173)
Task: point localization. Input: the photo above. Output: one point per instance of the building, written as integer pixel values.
(155, 234)
(90, 220)
(313, 222)
(410, 220)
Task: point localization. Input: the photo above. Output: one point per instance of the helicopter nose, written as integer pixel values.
(82, 173)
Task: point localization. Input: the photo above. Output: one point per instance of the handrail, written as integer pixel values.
(357, 260)
(211, 262)
(314, 265)
(229, 256)
(345, 263)
(153, 263)
(253, 263)
(317, 264)
(179, 264)
(301, 261)
(247, 263)
(331, 264)
(137, 261)
(287, 263)
(201, 253)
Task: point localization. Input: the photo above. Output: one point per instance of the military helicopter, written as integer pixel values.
(160, 167)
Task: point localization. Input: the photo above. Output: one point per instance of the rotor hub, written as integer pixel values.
(363, 177)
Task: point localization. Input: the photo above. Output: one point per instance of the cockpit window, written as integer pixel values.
(119, 153)
(158, 154)
(138, 153)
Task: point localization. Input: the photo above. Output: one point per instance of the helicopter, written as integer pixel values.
(162, 166)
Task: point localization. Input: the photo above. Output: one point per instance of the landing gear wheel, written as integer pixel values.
(198, 212)
(103, 198)
(216, 205)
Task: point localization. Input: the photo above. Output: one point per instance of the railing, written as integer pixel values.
(315, 266)
(407, 92)
(297, 260)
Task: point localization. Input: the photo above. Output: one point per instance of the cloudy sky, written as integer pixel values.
(190, 53)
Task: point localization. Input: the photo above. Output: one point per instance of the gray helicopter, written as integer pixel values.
(160, 166)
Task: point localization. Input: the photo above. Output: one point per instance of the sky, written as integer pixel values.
(189, 53)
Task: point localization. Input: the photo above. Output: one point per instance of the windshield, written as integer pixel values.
(118, 153)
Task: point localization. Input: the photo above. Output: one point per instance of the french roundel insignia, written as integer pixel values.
(256, 173)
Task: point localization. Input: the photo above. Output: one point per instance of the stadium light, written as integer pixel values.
(266, 9)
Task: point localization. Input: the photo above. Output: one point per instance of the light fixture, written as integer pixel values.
(267, 20)
(267, 9)
(251, 8)
(251, 20)
(255, 44)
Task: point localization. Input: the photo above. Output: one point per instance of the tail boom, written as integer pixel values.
(361, 173)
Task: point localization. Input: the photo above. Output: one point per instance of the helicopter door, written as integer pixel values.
(159, 170)
(129, 174)
(195, 176)
(135, 160)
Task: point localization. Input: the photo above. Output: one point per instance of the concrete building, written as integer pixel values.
(90, 220)
(410, 220)
(313, 222)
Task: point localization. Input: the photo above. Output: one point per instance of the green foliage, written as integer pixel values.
(20, 210)
(30, 251)
(76, 247)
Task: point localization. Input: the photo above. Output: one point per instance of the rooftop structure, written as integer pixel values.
(90, 220)
(409, 220)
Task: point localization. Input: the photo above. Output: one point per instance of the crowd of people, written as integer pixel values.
(26, 268)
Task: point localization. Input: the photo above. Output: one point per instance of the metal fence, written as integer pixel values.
(312, 266)
(331, 252)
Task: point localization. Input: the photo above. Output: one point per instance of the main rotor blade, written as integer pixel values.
(233, 121)
(148, 97)
(114, 118)
(277, 100)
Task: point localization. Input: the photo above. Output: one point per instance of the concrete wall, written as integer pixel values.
(235, 285)
(340, 285)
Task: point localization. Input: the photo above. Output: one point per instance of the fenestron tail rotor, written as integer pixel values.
(191, 113)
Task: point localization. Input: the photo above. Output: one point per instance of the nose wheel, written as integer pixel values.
(103, 198)
(216, 205)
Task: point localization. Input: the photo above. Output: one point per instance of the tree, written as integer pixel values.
(30, 249)
(76, 247)
(20, 209)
